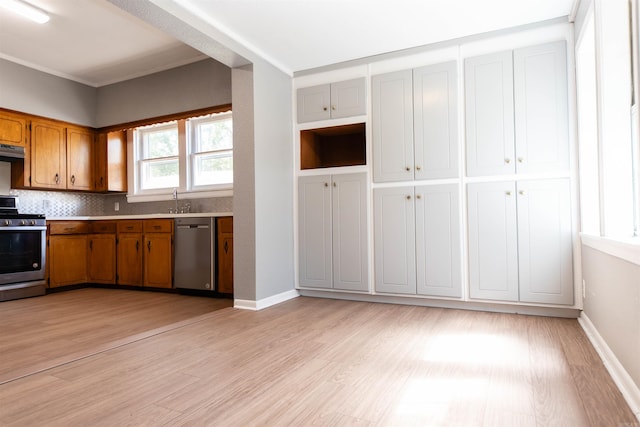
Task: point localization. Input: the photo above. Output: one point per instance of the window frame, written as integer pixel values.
(185, 188)
(193, 153)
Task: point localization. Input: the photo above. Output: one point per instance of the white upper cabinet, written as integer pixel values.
(541, 110)
(489, 114)
(516, 111)
(392, 120)
(414, 120)
(332, 101)
(435, 121)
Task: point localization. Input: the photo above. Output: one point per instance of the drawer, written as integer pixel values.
(103, 227)
(225, 224)
(158, 226)
(68, 227)
(130, 226)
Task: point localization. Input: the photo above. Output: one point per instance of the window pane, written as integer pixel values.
(161, 143)
(160, 174)
(214, 135)
(213, 168)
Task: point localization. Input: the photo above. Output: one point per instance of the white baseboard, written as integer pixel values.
(265, 302)
(625, 383)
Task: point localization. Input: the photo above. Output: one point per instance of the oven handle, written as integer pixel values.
(24, 228)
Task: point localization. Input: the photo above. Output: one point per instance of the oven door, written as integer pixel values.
(22, 254)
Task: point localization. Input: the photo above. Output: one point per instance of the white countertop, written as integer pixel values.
(139, 216)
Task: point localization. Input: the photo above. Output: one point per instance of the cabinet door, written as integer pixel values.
(438, 269)
(158, 260)
(545, 241)
(489, 114)
(80, 159)
(314, 222)
(394, 234)
(130, 259)
(348, 98)
(48, 155)
(101, 265)
(67, 260)
(13, 129)
(493, 241)
(541, 110)
(225, 255)
(392, 119)
(435, 121)
(350, 243)
(313, 103)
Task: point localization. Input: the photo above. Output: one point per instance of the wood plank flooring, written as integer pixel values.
(308, 361)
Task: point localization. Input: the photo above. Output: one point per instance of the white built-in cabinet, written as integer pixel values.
(332, 101)
(332, 222)
(417, 240)
(517, 111)
(414, 118)
(520, 241)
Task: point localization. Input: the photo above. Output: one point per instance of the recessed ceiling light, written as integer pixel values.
(26, 10)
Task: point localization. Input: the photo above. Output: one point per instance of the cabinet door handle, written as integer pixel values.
(324, 108)
(418, 196)
(149, 245)
(73, 179)
(521, 192)
(326, 184)
(407, 168)
(226, 247)
(520, 159)
(508, 193)
(90, 245)
(408, 197)
(333, 107)
(137, 245)
(418, 168)
(507, 160)
(335, 184)
(57, 179)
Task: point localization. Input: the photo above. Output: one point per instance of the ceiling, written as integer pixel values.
(97, 43)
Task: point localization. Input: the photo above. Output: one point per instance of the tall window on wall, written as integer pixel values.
(192, 156)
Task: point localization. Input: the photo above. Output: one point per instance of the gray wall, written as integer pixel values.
(189, 87)
(612, 304)
(263, 184)
(30, 91)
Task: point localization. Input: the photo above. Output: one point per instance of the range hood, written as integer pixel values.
(11, 153)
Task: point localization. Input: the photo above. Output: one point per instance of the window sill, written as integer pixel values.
(626, 249)
(160, 197)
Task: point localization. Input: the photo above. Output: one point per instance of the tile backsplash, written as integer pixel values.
(61, 204)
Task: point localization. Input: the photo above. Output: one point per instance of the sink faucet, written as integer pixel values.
(175, 197)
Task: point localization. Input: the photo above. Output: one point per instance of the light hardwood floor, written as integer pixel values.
(304, 362)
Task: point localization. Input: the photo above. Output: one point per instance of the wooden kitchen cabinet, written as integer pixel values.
(224, 244)
(80, 158)
(14, 129)
(67, 253)
(48, 155)
(158, 253)
(101, 252)
(129, 252)
(111, 162)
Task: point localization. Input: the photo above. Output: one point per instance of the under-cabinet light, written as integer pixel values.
(25, 10)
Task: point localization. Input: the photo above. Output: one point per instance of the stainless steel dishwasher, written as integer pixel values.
(194, 253)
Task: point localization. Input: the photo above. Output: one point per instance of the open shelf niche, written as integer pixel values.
(333, 146)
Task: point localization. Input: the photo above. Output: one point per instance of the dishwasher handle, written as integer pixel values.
(192, 226)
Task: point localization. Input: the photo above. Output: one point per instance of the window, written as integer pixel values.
(192, 155)
(159, 156)
(211, 150)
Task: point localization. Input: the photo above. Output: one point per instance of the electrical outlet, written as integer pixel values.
(116, 206)
(45, 204)
(584, 289)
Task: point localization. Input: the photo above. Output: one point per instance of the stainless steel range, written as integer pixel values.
(22, 251)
